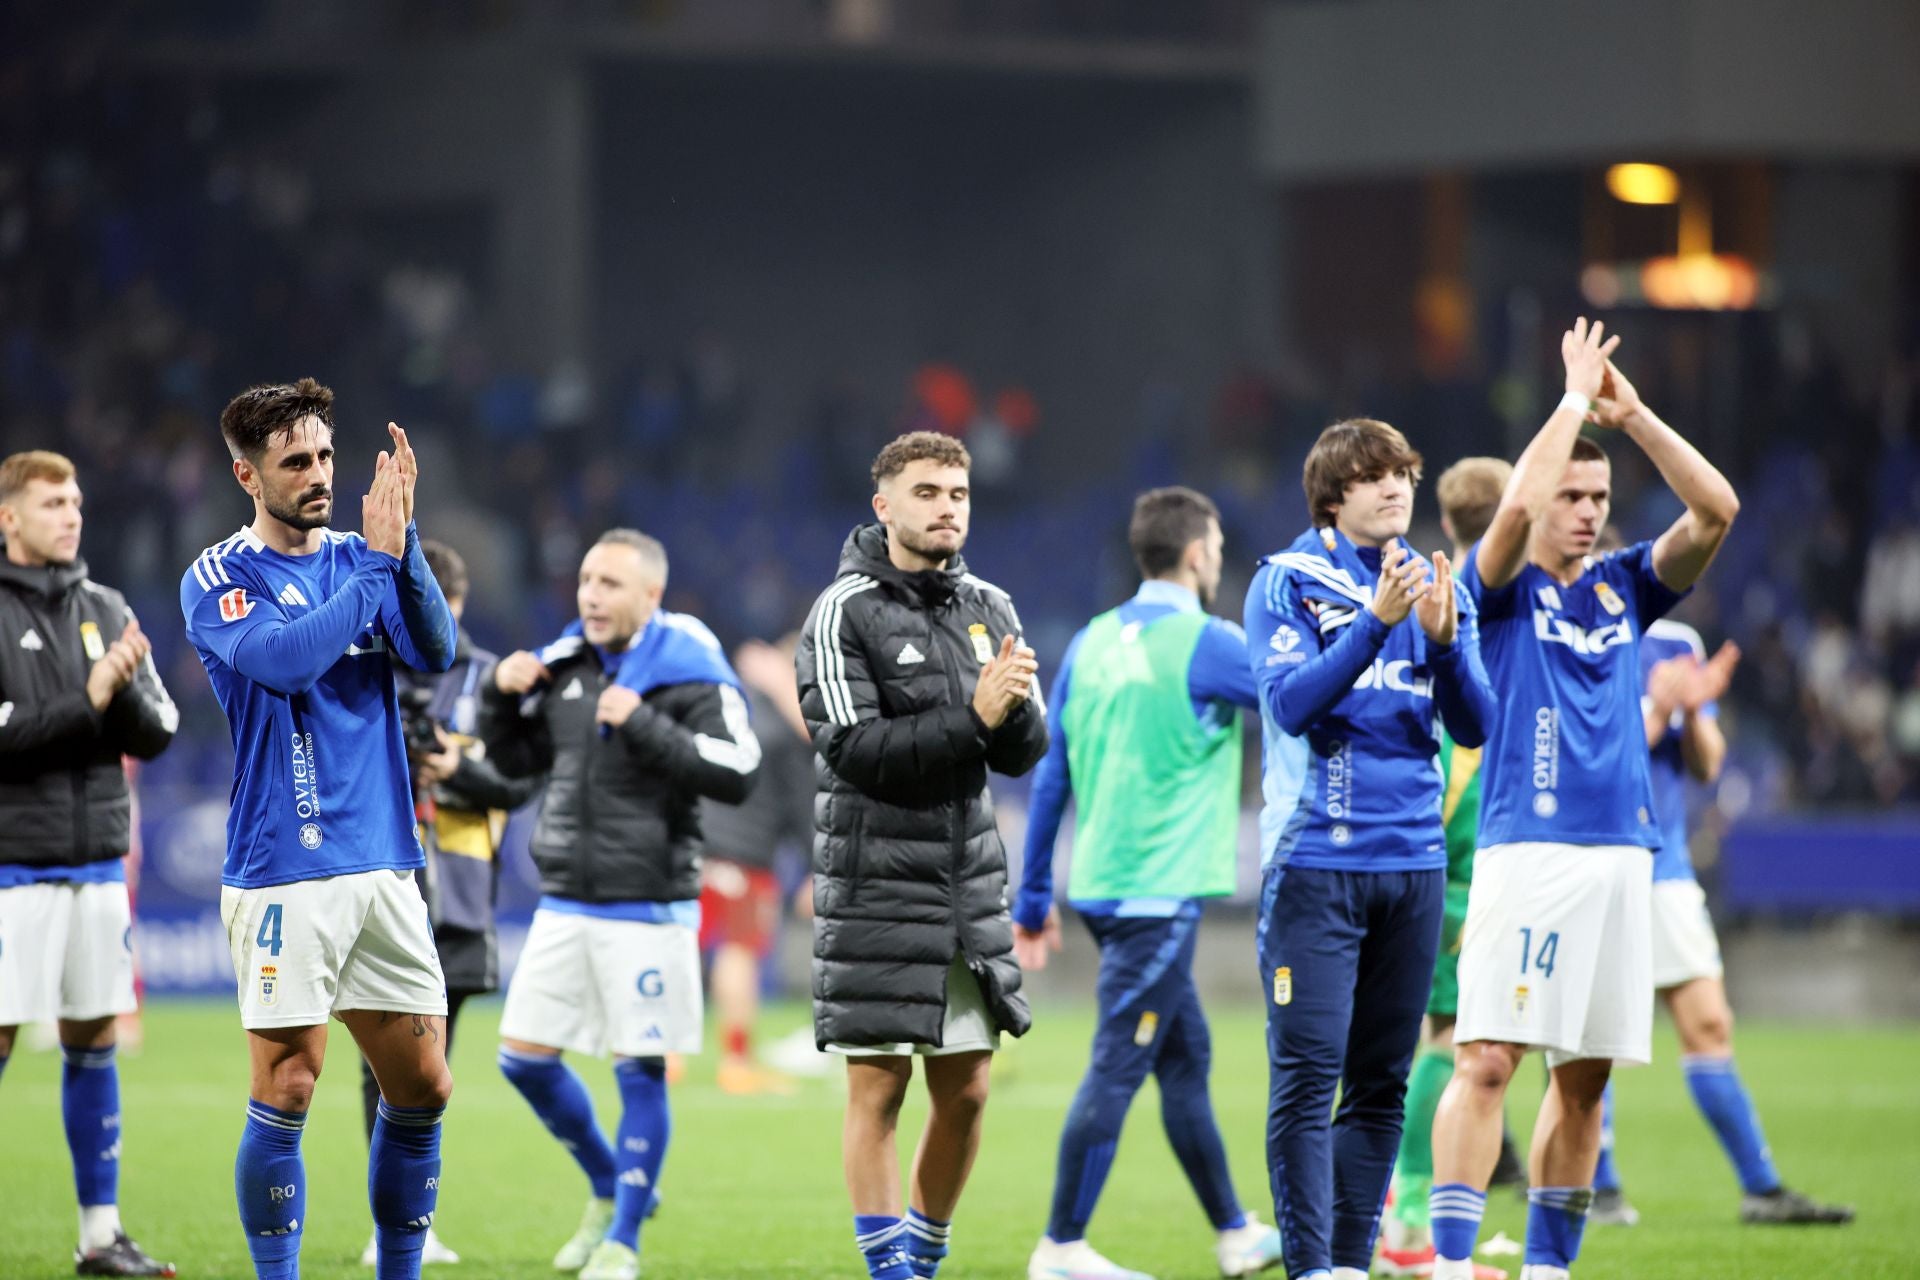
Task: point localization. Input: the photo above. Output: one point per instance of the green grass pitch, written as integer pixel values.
(752, 1187)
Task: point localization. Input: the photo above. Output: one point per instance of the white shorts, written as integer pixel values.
(968, 1028)
(1557, 953)
(598, 986)
(66, 951)
(1685, 946)
(307, 950)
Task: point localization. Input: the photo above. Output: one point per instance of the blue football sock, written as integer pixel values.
(1556, 1217)
(403, 1185)
(882, 1239)
(3, 1063)
(1455, 1210)
(566, 1108)
(927, 1241)
(1722, 1099)
(645, 1126)
(1605, 1176)
(90, 1105)
(270, 1182)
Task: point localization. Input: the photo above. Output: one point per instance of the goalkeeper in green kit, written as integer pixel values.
(1469, 493)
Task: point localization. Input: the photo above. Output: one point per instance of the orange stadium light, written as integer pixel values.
(1700, 282)
(1643, 184)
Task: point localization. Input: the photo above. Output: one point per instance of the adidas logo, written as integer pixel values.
(573, 690)
(911, 655)
(290, 594)
(32, 641)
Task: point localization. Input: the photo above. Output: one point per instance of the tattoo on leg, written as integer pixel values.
(424, 1026)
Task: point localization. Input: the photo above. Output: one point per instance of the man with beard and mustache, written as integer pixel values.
(914, 683)
(1144, 726)
(298, 628)
(81, 691)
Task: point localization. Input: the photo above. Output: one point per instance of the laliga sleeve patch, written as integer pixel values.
(234, 605)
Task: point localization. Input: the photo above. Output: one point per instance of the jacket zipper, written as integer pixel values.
(80, 774)
(957, 837)
(587, 879)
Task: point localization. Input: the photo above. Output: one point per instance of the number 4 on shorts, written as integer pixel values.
(269, 936)
(1542, 959)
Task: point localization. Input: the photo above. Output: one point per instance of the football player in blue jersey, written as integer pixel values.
(1556, 952)
(298, 627)
(1359, 649)
(1681, 709)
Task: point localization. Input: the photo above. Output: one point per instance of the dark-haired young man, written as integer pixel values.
(298, 628)
(1144, 727)
(1557, 951)
(914, 683)
(1357, 642)
(80, 691)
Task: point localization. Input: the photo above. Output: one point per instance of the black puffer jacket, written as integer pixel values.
(620, 821)
(63, 795)
(908, 867)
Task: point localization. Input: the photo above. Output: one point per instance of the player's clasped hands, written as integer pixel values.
(1686, 684)
(1585, 350)
(1403, 580)
(383, 520)
(519, 672)
(1439, 608)
(387, 509)
(1005, 682)
(114, 670)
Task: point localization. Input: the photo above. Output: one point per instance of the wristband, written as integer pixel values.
(1582, 405)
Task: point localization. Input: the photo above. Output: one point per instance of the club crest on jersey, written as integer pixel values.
(234, 605)
(982, 647)
(1283, 985)
(310, 835)
(269, 983)
(90, 641)
(1609, 599)
(1149, 1023)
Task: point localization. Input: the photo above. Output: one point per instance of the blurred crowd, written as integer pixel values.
(158, 253)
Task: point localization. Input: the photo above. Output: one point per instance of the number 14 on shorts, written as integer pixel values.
(1541, 959)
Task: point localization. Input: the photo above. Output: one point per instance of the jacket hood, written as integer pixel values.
(865, 551)
(54, 580)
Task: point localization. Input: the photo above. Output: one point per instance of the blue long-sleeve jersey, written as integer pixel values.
(297, 650)
(1350, 751)
(1218, 680)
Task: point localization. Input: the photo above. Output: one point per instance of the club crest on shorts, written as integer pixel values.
(1149, 1023)
(90, 641)
(982, 647)
(1283, 985)
(269, 983)
(1609, 599)
(1520, 1001)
